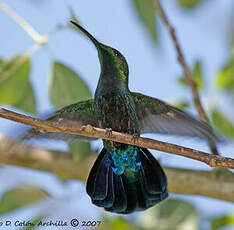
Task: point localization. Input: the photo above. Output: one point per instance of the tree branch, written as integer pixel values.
(217, 184)
(24, 25)
(88, 130)
(187, 72)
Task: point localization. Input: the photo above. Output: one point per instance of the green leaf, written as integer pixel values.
(15, 87)
(27, 102)
(66, 87)
(146, 11)
(197, 75)
(189, 4)
(116, 224)
(222, 124)
(225, 80)
(223, 221)
(20, 197)
(79, 150)
(171, 214)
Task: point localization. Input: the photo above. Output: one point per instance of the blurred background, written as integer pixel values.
(39, 69)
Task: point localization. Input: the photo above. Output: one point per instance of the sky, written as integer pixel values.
(154, 71)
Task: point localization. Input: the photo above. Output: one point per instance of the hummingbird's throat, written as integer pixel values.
(123, 159)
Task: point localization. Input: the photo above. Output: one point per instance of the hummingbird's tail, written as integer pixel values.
(131, 191)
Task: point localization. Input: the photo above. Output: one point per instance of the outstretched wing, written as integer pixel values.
(81, 113)
(156, 116)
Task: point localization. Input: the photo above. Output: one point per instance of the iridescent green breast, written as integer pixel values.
(117, 110)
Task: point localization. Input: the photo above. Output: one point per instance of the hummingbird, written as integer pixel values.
(125, 178)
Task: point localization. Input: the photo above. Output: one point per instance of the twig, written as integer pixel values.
(181, 59)
(24, 25)
(187, 72)
(217, 184)
(88, 130)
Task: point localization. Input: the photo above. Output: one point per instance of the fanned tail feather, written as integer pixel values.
(118, 193)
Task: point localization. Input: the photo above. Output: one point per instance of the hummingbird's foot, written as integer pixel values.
(109, 132)
(135, 137)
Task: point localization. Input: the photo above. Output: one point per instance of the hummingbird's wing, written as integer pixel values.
(155, 116)
(81, 113)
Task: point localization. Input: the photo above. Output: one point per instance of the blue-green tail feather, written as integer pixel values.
(139, 185)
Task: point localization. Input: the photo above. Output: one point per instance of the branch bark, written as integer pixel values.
(217, 183)
(187, 72)
(46, 126)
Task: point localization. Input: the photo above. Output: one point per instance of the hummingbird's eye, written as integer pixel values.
(116, 53)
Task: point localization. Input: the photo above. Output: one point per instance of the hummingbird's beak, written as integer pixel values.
(94, 40)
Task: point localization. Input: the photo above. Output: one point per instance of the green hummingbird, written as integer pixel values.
(125, 178)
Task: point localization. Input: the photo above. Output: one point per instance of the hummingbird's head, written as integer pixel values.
(114, 68)
(113, 63)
